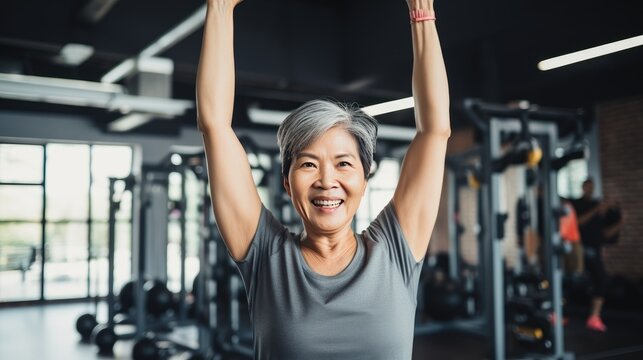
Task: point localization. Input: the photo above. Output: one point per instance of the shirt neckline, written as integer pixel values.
(345, 272)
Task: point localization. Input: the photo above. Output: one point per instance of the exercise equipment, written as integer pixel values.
(445, 300)
(104, 337)
(146, 349)
(144, 305)
(158, 299)
(85, 324)
(217, 291)
(526, 137)
(530, 323)
(126, 296)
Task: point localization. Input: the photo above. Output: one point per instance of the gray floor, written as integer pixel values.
(49, 333)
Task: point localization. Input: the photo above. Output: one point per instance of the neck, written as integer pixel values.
(329, 247)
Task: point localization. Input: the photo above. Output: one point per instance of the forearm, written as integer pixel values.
(586, 217)
(612, 230)
(430, 85)
(215, 76)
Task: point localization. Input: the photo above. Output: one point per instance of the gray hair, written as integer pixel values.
(311, 120)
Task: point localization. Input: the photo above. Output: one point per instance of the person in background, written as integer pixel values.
(570, 233)
(590, 214)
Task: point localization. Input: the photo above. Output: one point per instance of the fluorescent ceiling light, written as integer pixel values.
(149, 104)
(166, 41)
(74, 54)
(400, 133)
(273, 117)
(390, 106)
(86, 93)
(155, 65)
(95, 10)
(56, 91)
(129, 122)
(266, 117)
(119, 72)
(17, 79)
(178, 33)
(590, 53)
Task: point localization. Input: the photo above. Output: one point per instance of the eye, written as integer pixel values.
(307, 164)
(344, 163)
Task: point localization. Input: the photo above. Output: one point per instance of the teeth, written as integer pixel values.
(328, 203)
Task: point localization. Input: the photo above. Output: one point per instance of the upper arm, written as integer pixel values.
(417, 196)
(235, 199)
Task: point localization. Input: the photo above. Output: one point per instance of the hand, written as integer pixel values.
(603, 207)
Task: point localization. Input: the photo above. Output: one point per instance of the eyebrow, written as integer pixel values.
(342, 155)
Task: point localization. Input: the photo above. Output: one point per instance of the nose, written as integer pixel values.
(327, 178)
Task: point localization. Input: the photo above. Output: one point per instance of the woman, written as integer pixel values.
(326, 293)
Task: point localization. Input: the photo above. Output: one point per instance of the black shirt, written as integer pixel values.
(591, 233)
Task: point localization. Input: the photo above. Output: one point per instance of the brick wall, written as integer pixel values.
(621, 150)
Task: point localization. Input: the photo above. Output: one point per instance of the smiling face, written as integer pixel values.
(326, 182)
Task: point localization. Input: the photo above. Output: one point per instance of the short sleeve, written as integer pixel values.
(269, 236)
(386, 229)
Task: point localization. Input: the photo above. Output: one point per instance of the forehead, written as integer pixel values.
(336, 140)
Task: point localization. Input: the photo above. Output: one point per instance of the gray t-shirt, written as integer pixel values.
(367, 311)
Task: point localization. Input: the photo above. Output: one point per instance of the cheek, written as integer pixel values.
(299, 185)
(356, 185)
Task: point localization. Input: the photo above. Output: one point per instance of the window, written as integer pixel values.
(571, 177)
(21, 207)
(53, 220)
(21, 163)
(379, 192)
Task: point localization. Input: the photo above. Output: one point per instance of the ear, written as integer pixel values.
(287, 186)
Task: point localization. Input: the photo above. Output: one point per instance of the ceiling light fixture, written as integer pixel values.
(129, 122)
(387, 132)
(590, 53)
(86, 93)
(74, 54)
(389, 106)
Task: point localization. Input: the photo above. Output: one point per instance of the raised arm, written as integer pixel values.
(417, 195)
(235, 200)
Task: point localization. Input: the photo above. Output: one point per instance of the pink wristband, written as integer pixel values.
(419, 15)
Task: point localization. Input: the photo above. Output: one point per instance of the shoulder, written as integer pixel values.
(385, 227)
(271, 233)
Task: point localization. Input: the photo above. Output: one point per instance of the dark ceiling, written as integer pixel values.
(290, 51)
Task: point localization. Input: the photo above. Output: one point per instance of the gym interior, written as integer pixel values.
(109, 247)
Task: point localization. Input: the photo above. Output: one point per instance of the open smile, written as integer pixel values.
(327, 204)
